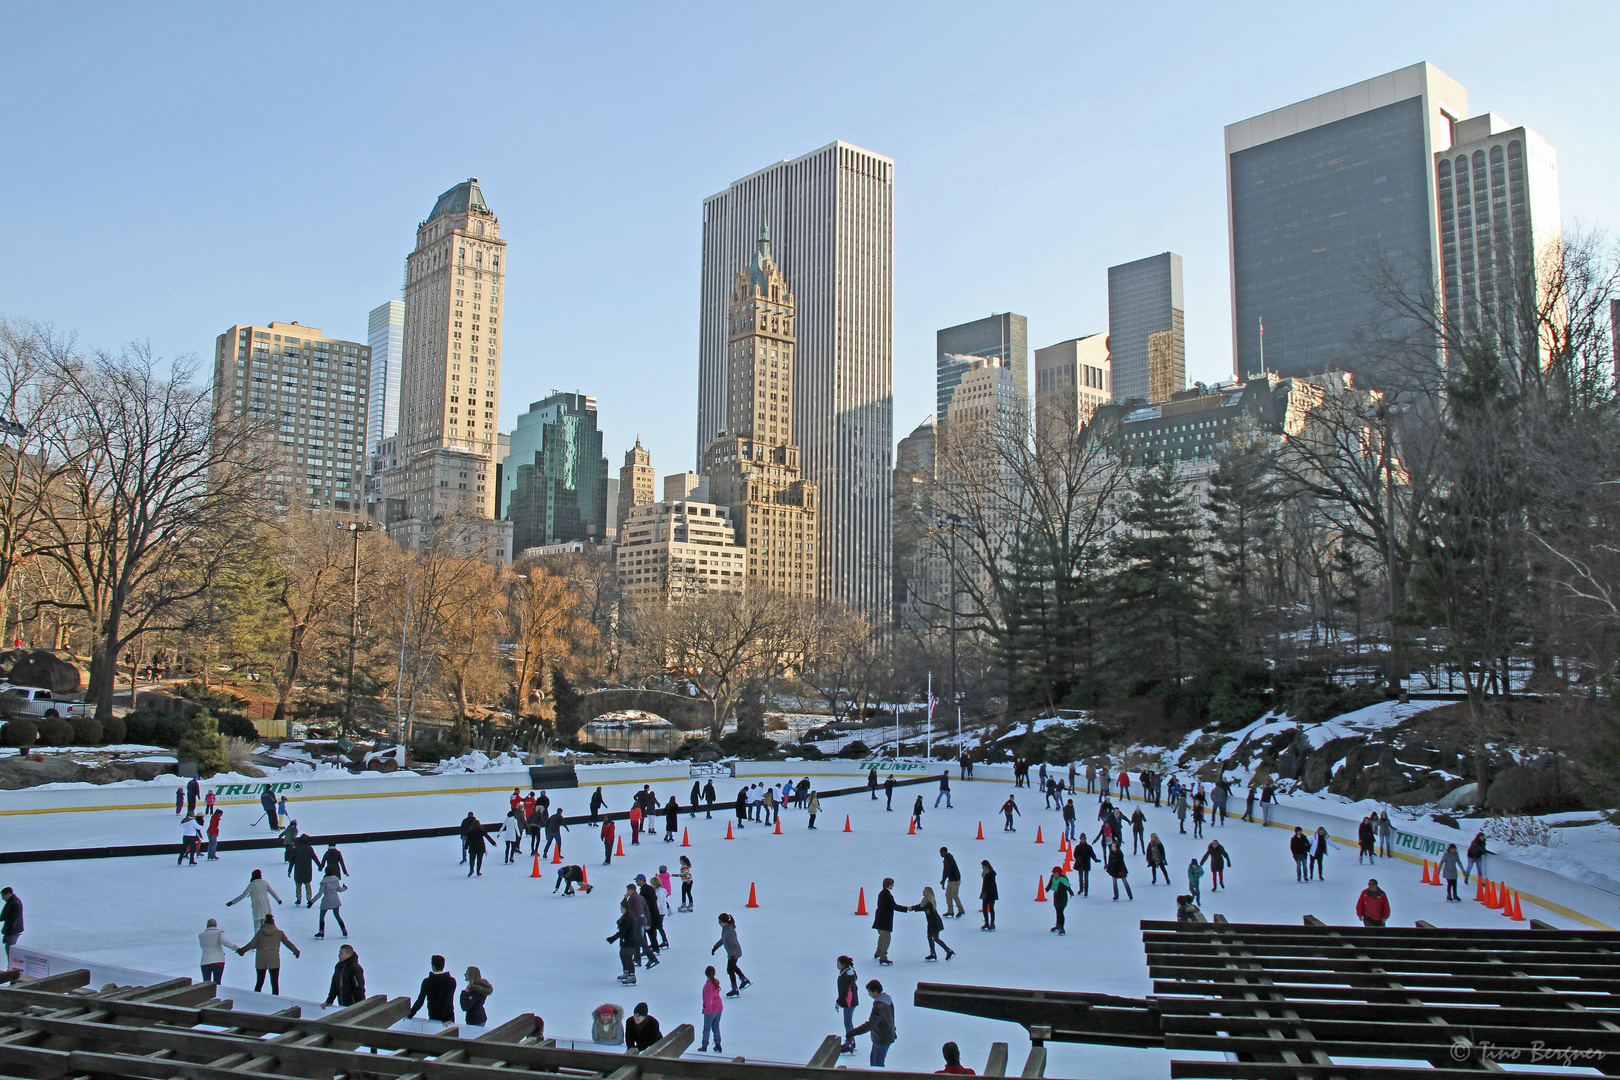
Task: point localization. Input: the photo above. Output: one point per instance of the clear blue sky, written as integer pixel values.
(167, 170)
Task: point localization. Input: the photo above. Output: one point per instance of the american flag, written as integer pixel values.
(932, 702)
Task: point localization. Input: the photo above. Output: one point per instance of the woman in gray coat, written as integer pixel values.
(331, 885)
(1450, 868)
(259, 894)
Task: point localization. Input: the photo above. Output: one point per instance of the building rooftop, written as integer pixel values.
(458, 200)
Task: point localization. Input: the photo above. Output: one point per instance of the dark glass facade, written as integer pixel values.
(1314, 214)
(1004, 336)
(561, 494)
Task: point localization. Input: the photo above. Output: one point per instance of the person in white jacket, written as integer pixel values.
(260, 894)
(214, 943)
(512, 833)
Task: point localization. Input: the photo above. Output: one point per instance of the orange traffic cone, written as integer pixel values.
(1492, 898)
(1507, 904)
(846, 824)
(536, 871)
(1479, 890)
(1040, 890)
(620, 852)
(686, 837)
(556, 856)
(1068, 861)
(752, 900)
(911, 830)
(860, 906)
(584, 878)
(981, 832)
(1518, 912)
(1427, 880)
(1038, 839)
(778, 826)
(728, 832)
(1063, 842)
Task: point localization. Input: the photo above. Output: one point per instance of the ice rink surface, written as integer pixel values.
(546, 954)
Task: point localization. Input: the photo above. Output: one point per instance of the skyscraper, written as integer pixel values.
(832, 210)
(1147, 333)
(315, 389)
(385, 333)
(1500, 229)
(1004, 337)
(555, 477)
(1072, 378)
(450, 375)
(635, 484)
(754, 467)
(1322, 196)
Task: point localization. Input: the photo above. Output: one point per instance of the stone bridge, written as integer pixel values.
(686, 713)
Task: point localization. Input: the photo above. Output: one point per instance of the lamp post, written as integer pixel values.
(355, 528)
(1386, 413)
(953, 521)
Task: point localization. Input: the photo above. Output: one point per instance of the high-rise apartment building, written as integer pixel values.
(1323, 196)
(450, 374)
(635, 483)
(1500, 229)
(1004, 337)
(986, 399)
(679, 547)
(554, 479)
(1147, 332)
(754, 466)
(385, 333)
(315, 389)
(833, 210)
(1072, 379)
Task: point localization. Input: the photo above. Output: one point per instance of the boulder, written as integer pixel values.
(1461, 798)
(42, 667)
(1540, 785)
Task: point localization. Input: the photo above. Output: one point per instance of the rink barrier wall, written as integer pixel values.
(274, 843)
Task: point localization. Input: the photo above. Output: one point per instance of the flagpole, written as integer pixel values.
(928, 736)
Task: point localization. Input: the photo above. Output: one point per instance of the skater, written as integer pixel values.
(1373, 904)
(304, 870)
(1268, 798)
(664, 893)
(11, 919)
(883, 921)
(1219, 859)
(1125, 785)
(1248, 806)
(656, 938)
(708, 801)
(1218, 798)
(1091, 777)
(259, 894)
(1119, 871)
(473, 996)
(1386, 835)
(1476, 857)
(534, 825)
(871, 782)
(1187, 910)
(214, 943)
(917, 812)
(568, 877)
(1299, 845)
(348, 979)
(635, 823)
(627, 933)
(1059, 889)
(641, 1030)
(1156, 861)
(268, 801)
(331, 885)
(944, 790)
(1318, 853)
(697, 797)
(1195, 874)
(1068, 820)
(193, 789)
(1138, 825)
(814, 805)
(1450, 867)
(672, 820)
(950, 878)
(713, 1006)
(987, 894)
(554, 830)
(477, 842)
(1084, 856)
(266, 944)
(880, 1023)
(607, 842)
(332, 862)
(846, 1000)
(935, 925)
(190, 829)
(728, 938)
(597, 802)
(512, 834)
(439, 991)
(208, 801)
(742, 809)
(281, 806)
(1008, 809)
(888, 792)
(468, 824)
(686, 884)
(1366, 837)
(1181, 808)
(1198, 816)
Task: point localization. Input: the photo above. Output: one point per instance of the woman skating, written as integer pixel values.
(936, 925)
(348, 979)
(1450, 868)
(712, 1008)
(627, 933)
(330, 887)
(988, 893)
(1195, 874)
(686, 884)
(917, 812)
(1218, 859)
(266, 944)
(259, 894)
(1059, 889)
(1319, 851)
(1156, 860)
(1119, 871)
(214, 943)
(848, 997)
(728, 938)
(672, 820)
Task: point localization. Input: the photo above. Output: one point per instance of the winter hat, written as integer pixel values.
(641, 877)
(663, 869)
(641, 1008)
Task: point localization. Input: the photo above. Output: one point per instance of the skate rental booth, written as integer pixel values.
(1319, 1002)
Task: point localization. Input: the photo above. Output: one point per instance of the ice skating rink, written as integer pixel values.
(546, 954)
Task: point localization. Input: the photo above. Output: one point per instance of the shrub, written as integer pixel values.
(86, 730)
(203, 741)
(54, 731)
(235, 725)
(808, 751)
(19, 731)
(461, 733)
(690, 748)
(430, 750)
(855, 751)
(238, 752)
(747, 744)
(112, 729)
(154, 728)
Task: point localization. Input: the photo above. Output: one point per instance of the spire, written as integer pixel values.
(757, 272)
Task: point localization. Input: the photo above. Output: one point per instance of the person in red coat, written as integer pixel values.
(1373, 907)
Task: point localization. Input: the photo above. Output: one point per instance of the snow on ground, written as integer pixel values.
(547, 954)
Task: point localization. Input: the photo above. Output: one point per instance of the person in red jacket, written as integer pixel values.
(953, 1062)
(607, 841)
(1373, 907)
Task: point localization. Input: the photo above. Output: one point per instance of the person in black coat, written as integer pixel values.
(708, 799)
(473, 997)
(477, 842)
(11, 919)
(1369, 841)
(554, 831)
(917, 812)
(950, 877)
(672, 819)
(439, 991)
(268, 801)
(871, 783)
(568, 877)
(1084, 856)
(1119, 871)
(641, 1030)
(468, 824)
(742, 807)
(987, 894)
(888, 792)
(332, 864)
(883, 921)
(303, 864)
(348, 979)
(597, 802)
(1299, 845)
(697, 797)
(656, 937)
(935, 927)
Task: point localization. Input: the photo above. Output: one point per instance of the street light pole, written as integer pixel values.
(1387, 414)
(354, 620)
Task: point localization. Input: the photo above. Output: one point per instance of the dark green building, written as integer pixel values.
(555, 477)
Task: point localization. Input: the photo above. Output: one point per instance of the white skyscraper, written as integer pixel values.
(386, 336)
(831, 216)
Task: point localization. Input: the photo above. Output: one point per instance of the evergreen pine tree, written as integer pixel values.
(1244, 496)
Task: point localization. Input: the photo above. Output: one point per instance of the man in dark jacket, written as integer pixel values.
(439, 991)
(1299, 845)
(554, 831)
(656, 938)
(303, 866)
(871, 782)
(880, 1024)
(951, 878)
(477, 843)
(193, 793)
(11, 920)
(268, 801)
(332, 864)
(888, 792)
(1373, 905)
(468, 824)
(348, 979)
(883, 921)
